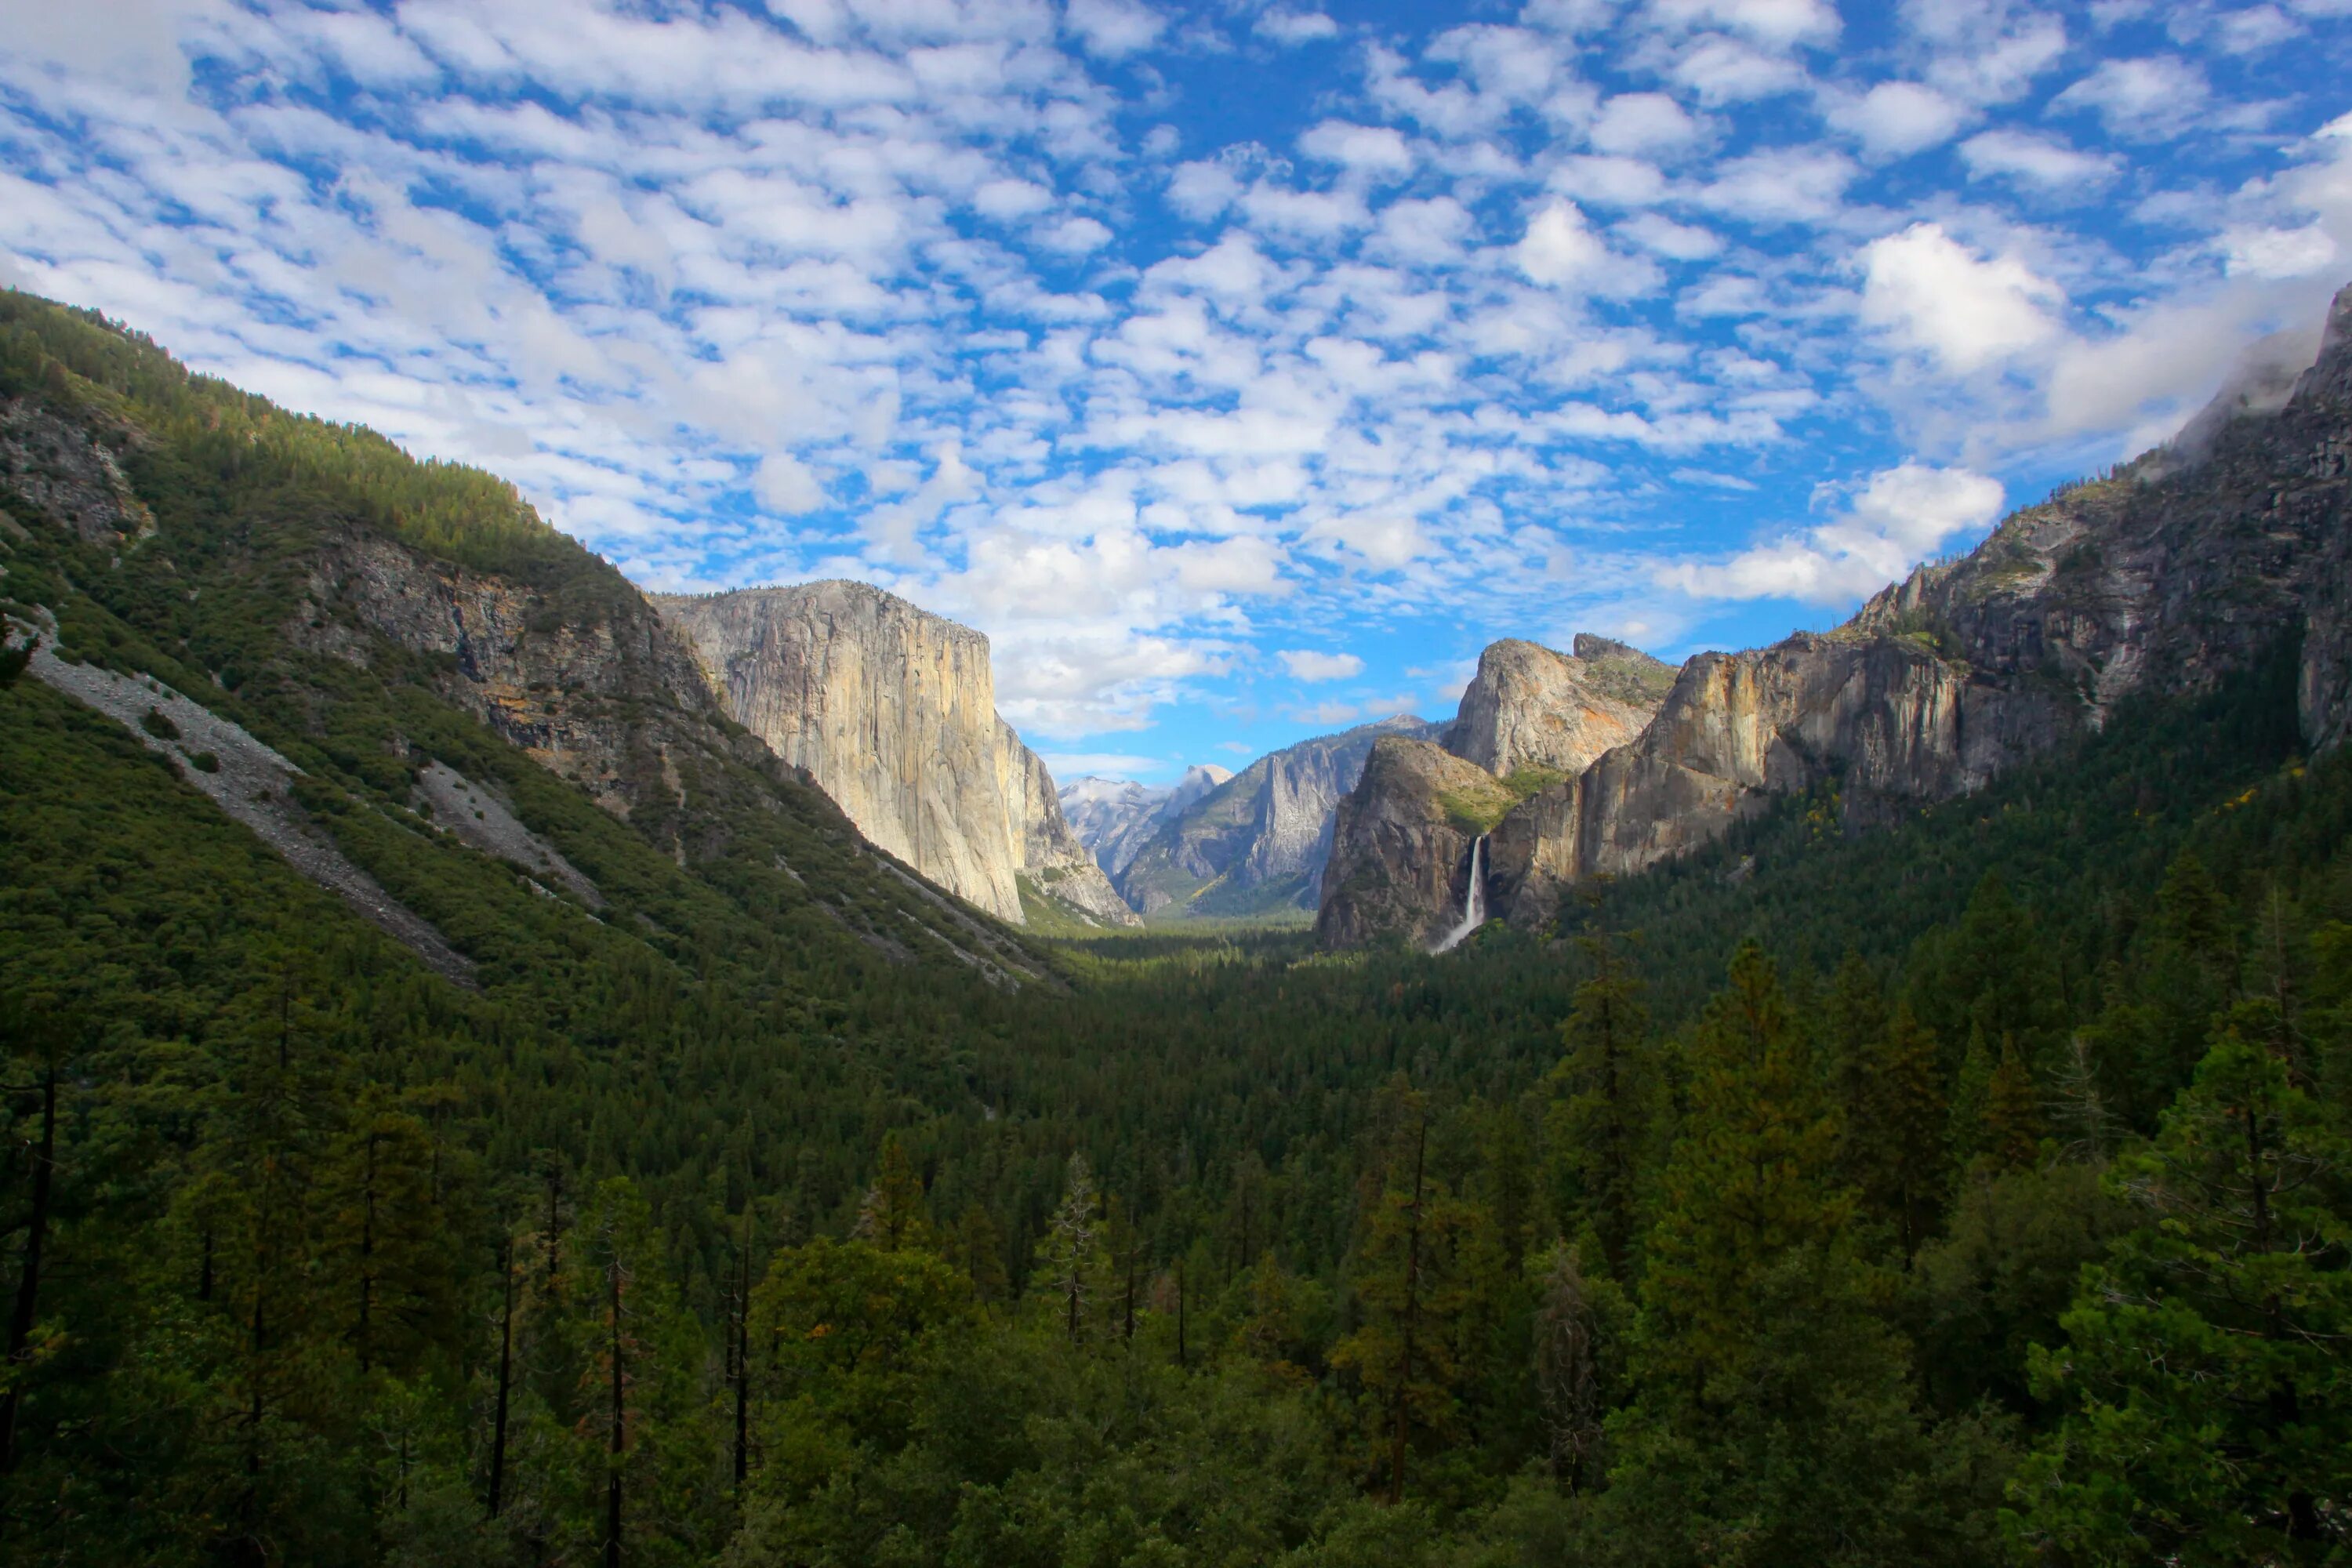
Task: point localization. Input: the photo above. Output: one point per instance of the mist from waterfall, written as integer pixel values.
(1473, 902)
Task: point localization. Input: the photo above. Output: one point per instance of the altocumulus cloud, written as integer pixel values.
(1191, 351)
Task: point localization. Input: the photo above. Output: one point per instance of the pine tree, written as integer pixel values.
(1070, 1262)
(1603, 1104)
(387, 1238)
(1893, 1149)
(2208, 1398)
(980, 1253)
(1763, 1367)
(2012, 1139)
(894, 1216)
(1408, 1278)
(1750, 1182)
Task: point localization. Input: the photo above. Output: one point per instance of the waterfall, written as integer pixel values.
(1473, 902)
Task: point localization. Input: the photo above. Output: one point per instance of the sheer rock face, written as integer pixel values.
(1053, 861)
(1884, 714)
(1400, 863)
(1530, 707)
(892, 710)
(2197, 559)
(1257, 842)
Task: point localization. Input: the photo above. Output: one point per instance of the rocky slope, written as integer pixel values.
(1401, 840)
(2198, 559)
(892, 712)
(1256, 844)
(1054, 866)
(390, 672)
(1531, 717)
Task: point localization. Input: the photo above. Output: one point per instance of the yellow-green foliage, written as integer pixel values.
(1478, 806)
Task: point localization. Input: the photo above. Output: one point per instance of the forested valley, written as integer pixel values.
(1973, 1190)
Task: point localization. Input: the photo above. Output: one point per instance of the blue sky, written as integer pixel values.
(1241, 370)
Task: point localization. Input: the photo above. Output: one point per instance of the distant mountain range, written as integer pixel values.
(1247, 846)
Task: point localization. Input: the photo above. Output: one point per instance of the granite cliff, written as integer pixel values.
(892, 712)
(2198, 559)
(1531, 717)
(1531, 708)
(1054, 866)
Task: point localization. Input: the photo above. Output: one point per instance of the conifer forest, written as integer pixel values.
(1975, 1189)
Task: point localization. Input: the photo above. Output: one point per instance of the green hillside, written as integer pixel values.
(783, 1214)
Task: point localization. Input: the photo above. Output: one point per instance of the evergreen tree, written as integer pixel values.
(894, 1215)
(1763, 1368)
(2012, 1139)
(1750, 1180)
(1892, 1150)
(1602, 1098)
(980, 1253)
(1069, 1276)
(1409, 1279)
(2208, 1398)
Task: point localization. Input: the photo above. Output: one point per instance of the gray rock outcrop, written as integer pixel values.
(1401, 849)
(1054, 864)
(2197, 559)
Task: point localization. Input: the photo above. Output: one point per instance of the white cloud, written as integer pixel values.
(1292, 28)
(1783, 185)
(1777, 23)
(1074, 237)
(2273, 253)
(1113, 29)
(1896, 118)
(1643, 123)
(1006, 198)
(1307, 664)
(1677, 241)
(1903, 516)
(1927, 291)
(2141, 100)
(1559, 246)
(1722, 70)
(2039, 162)
(1985, 51)
(786, 486)
(1362, 149)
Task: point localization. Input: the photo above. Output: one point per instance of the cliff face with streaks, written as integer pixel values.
(2197, 559)
(600, 691)
(1054, 864)
(892, 712)
(1400, 845)
(1531, 716)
